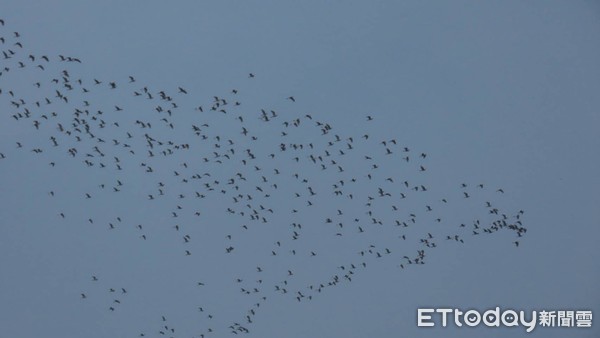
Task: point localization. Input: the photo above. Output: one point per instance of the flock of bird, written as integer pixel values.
(274, 202)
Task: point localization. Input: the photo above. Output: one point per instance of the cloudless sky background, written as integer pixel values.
(503, 93)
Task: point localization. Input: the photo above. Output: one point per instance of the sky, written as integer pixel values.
(498, 93)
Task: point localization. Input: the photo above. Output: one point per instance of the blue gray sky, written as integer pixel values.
(499, 93)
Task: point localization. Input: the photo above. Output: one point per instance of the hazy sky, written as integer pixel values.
(502, 93)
